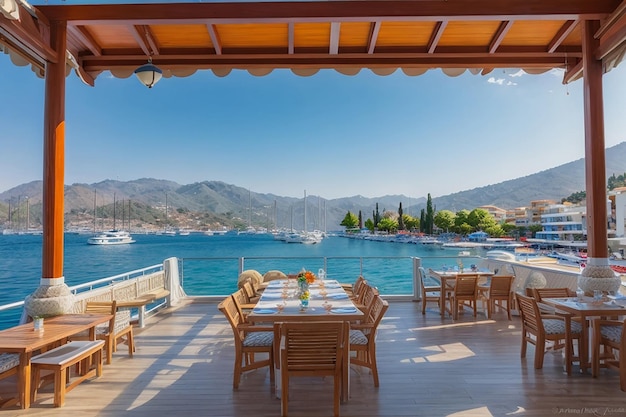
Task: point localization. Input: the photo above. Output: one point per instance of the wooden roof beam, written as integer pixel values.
(291, 38)
(323, 11)
(503, 29)
(372, 37)
(145, 40)
(333, 45)
(436, 36)
(215, 38)
(561, 35)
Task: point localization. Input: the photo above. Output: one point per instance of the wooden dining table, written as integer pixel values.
(328, 302)
(284, 292)
(25, 340)
(447, 279)
(587, 309)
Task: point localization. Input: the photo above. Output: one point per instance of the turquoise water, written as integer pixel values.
(210, 264)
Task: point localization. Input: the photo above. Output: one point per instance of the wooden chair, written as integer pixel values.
(242, 302)
(367, 299)
(537, 328)
(429, 293)
(352, 288)
(312, 349)
(359, 292)
(250, 294)
(608, 349)
(499, 291)
(541, 293)
(249, 339)
(465, 292)
(9, 363)
(118, 329)
(363, 338)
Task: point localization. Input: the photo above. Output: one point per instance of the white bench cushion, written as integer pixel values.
(66, 353)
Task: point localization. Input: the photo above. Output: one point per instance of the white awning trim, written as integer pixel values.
(613, 59)
(260, 72)
(348, 71)
(10, 9)
(414, 72)
(453, 72)
(122, 73)
(383, 71)
(305, 72)
(221, 72)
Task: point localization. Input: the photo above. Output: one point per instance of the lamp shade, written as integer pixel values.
(149, 74)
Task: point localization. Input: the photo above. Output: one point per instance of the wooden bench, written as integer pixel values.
(60, 360)
(141, 302)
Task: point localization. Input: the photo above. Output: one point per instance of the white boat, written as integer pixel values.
(112, 237)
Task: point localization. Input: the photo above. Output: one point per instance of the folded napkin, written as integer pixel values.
(272, 295)
(263, 311)
(343, 310)
(338, 296)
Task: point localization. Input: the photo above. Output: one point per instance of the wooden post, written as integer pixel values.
(595, 165)
(54, 159)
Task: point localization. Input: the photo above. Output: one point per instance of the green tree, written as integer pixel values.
(423, 221)
(430, 215)
(388, 224)
(444, 220)
(508, 228)
(459, 220)
(410, 222)
(350, 221)
(495, 231)
(360, 220)
(534, 228)
(400, 218)
(477, 217)
(369, 224)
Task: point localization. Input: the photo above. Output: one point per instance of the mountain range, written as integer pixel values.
(215, 204)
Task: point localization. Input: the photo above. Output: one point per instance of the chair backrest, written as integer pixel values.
(465, 285)
(240, 298)
(530, 314)
(248, 291)
(229, 309)
(313, 348)
(103, 307)
(369, 295)
(359, 292)
(501, 285)
(541, 293)
(357, 284)
(378, 310)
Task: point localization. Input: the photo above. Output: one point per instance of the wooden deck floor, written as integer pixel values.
(428, 367)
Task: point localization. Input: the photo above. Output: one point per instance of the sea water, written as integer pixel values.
(210, 264)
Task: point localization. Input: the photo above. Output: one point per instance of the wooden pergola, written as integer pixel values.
(585, 38)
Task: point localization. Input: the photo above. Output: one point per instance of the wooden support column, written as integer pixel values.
(54, 159)
(595, 164)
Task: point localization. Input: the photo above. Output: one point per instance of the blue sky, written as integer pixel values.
(329, 134)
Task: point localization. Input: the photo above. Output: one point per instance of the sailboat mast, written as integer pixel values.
(304, 211)
(95, 214)
(114, 204)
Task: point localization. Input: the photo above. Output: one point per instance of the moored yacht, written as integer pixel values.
(112, 237)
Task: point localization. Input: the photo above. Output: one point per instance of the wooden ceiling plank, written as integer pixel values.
(215, 38)
(503, 29)
(292, 38)
(573, 73)
(333, 45)
(81, 34)
(317, 11)
(372, 37)
(562, 34)
(436, 36)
